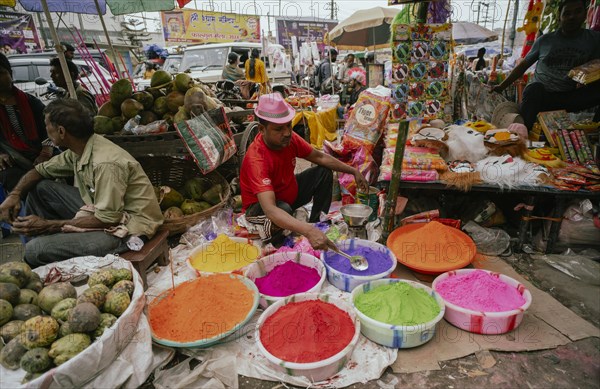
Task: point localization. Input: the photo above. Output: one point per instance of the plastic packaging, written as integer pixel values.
(155, 127)
(489, 241)
(132, 123)
(580, 267)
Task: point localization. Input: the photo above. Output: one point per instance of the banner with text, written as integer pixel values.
(305, 31)
(198, 26)
(17, 33)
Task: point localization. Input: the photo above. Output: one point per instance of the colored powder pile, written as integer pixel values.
(398, 303)
(200, 309)
(307, 331)
(480, 291)
(287, 279)
(223, 255)
(379, 261)
(434, 243)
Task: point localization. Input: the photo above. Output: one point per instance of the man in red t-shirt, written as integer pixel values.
(270, 190)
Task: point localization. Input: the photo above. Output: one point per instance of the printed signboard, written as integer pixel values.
(198, 26)
(304, 31)
(17, 33)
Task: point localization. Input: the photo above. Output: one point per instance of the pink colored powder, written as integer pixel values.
(287, 279)
(480, 291)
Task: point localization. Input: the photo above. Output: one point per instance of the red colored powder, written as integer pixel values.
(287, 279)
(200, 309)
(307, 331)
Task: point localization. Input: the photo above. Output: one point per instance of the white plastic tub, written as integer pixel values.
(314, 371)
(392, 335)
(492, 323)
(348, 282)
(264, 265)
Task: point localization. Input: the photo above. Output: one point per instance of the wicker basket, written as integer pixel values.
(164, 144)
(174, 172)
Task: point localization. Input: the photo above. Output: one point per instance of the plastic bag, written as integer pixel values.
(207, 229)
(367, 120)
(489, 241)
(210, 144)
(364, 162)
(574, 265)
(156, 127)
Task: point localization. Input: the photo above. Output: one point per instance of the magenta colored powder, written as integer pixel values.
(480, 291)
(379, 261)
(287, 279)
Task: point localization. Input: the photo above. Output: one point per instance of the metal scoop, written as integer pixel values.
(358, 262)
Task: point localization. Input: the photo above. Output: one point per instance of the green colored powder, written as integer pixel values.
(398, 303)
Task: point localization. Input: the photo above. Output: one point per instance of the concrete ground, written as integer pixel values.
(575, 365)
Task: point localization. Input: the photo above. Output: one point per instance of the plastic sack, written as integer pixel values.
(489, 241)
(367, 120)
(578, 225)
(213, 372)
(105, 353)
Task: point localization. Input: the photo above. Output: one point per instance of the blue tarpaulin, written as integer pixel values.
(117, 7)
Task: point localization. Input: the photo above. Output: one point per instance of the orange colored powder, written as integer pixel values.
(307, 331)
(200, 309)
(432, 246)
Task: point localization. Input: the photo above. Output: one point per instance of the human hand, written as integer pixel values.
(10, 207)
(41, 158)
(318, 240)
(31, 225)
(361, 183)
(5, 161)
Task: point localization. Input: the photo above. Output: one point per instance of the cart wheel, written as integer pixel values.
(247, 138)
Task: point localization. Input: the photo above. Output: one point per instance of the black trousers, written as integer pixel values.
(537, 99)
(314, 184)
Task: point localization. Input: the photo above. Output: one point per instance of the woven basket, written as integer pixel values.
(174, 172)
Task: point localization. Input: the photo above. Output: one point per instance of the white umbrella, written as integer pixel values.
(364, 28)
(467, 33)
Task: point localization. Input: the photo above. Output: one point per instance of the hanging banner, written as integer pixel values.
(304, 31)
(17, 33)
(198, 26)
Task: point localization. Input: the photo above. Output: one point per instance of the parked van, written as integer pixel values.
(206, 62)
(26, 68)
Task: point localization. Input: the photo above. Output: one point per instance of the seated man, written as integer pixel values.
(556, 53)
(271, 191)
(112, 199)
(83, 96)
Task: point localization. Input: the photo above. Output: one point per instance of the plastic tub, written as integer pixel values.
(243, 262)
(264, 265)
(478, 322)
(397, 336)
(348, 282)
(220, 337)
(314, 371)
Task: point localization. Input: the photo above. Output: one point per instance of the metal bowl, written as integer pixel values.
(356, 215)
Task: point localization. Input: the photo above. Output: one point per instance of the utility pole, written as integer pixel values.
(513, 27)
(332, 9)
(42, 31)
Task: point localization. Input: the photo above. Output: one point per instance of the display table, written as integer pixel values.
(531, 193)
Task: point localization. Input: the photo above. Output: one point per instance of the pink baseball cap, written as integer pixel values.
(274, 108)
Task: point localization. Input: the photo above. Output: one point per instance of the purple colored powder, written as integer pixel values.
(379, 261)
(287, 279)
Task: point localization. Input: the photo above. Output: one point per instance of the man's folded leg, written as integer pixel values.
(267, 230)
(316, 184)
(59, 247)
